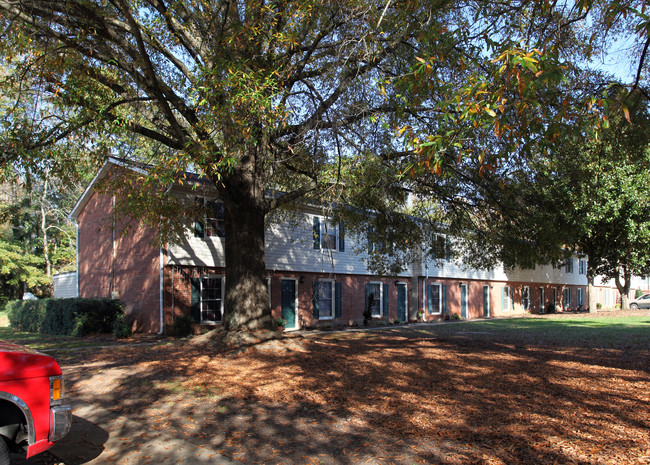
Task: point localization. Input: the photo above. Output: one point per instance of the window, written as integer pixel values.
(582, 266)
(326, 299)
(207, 299)
(214, 224)
(434, 298)
(568, 266)
(374, 299)
(542, 304)
(506, 301)
(525, 297)
(440, 247)
(567, 298)
(580, 297)
(328, 235)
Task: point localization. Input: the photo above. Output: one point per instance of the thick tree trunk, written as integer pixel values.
(624, 287)
(592, 298)
(247, 305)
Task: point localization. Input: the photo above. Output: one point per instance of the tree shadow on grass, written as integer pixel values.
(390, 397)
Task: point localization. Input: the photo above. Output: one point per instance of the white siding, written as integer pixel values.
(65, 285)
(541, 274)
(197, 251)
(289, 247)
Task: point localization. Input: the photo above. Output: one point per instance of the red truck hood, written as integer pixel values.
(17, 362)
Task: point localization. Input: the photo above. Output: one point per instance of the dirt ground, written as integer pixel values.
(397, 396)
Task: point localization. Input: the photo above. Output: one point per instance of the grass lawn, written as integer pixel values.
(568, 390)
(623, 332)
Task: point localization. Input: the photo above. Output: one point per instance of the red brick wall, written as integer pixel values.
(353, 296)
(178, 290)
(95, 244)
(178, 296)
(116, 261)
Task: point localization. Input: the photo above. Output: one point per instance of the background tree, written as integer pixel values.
(38, 239)
(304, 98)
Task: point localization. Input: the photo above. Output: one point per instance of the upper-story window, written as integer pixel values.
(440, 247)
(582, 266)
(568, 265)
(328, 235)
(214, 223)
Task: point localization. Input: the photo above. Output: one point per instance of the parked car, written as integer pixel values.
(33, 414)
(641, 302)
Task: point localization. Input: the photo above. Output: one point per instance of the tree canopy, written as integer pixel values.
(363, 102)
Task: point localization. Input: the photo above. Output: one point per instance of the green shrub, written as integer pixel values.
(638, 293)
(121, 328)
(79, 325)
(183, 326)
(26, 315)
(76, 317)
(599, 305)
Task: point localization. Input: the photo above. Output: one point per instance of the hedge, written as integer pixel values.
(65, 317)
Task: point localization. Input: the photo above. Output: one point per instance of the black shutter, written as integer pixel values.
(196, 299)
(386, 300)
(338, 310)
(341, 238)
(316, 232)
(199, 230)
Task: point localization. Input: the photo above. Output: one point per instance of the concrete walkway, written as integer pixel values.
(98, 436)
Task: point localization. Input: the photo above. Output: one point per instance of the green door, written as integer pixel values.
(401, 301)
(463, 301)
(289, 302)
(486, 301)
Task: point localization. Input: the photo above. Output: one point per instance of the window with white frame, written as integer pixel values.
(374, 299)
(580, 297)
(327, 234)
(326, 299)
(506, 300)
(434, 298)
(525, 297)
(211, 299)
(440, 247)
(214, 222)
(567, 297)
(582, 266)
(568, 265)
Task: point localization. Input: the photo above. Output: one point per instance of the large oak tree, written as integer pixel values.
(362, 101)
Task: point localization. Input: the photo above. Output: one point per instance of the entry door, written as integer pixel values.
(289, 302)
(401, 301)
(463, 301)
(486, 301)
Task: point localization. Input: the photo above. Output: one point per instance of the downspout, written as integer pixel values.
(424, 291)
(76, 227)
(162, 288)
(162, 284)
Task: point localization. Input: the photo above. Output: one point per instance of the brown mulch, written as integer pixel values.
(380, 397)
